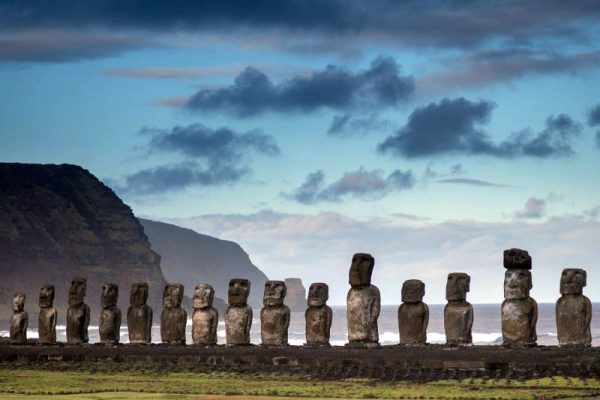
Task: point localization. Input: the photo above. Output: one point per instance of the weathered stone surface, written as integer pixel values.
(458, 313)
(48, 316)
(78, 314)
(274, 316)
(519, 311)
(110, 316)
(19, 320)
(238, 316)
(517, 259)
(205, 318)
(296, 294)
(573, 310)
(318, 315)
(139, 315)
(413, 314)
(363, 302)
(173, 318)
(59, 221)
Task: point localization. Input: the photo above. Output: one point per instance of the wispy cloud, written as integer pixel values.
(471, 182)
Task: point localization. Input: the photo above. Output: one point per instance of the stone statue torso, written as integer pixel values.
(458, 322)
(274, 323)
(110, 325)
(139, 324)
(204, 325)
(47, 325)
(78, 319)
(573, 316)
(363, 306)
(172, 325)
(318, 324)
(238, 320)
(519, 318)
(413, 319)
(18, 327)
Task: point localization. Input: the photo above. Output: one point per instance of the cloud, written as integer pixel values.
(360, 184)
(339, 26)
(490, 66)
(346, 125)
(594, 120)
(534, 208)
(319, 247)
(176, 101)
(211, 157)
(472, 182)
(453, 126)
(65, 45)
(254, 93)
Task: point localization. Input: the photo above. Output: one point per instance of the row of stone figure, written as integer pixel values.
(518, 312)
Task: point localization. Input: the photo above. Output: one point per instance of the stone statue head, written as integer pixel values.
(517, 259)
(18, 302)
(77, 291)
(275, 292)
(318, 294)
(139, 294)
(238, 292)
(46, 296)
(203, 296)
(457, 286)
(109, 296)
(413, 291)
(172, 295)
(361, 269)
(517, 284)
(572, 281)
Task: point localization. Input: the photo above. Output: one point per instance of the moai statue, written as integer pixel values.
(139, 315)
(274, 316)
(519, 311)
(458, 313)
(363, 303)
(318, 316)
(19, 320)
(205, 318)
(173, 318)
(413, 314)
(110, 317)
(238, 316)
(47, 317)
(573, 310)
(78, 314)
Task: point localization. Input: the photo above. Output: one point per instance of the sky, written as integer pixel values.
(431, 134)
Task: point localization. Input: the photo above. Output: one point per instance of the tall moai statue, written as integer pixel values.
(413, 314)
(47, 317)
(519, 311)
(110, 316)
(573, 310)
(363, 303)
(238, 316)
(205, 318)
(19, 320)
(274, 316)
(318, 316)
(139, 315)
(458, 313)
(78, 314)
(174, 317)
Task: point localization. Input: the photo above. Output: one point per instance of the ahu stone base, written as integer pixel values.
(425, 363)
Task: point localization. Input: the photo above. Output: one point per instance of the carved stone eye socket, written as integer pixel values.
(521, 275)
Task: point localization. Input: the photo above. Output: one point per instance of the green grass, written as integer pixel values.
(27, 383)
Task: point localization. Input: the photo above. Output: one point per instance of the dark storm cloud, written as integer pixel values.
(490, 66)
(366, 185)
(333, 26)
(212, 157)
(346, 125)
(221, 145)
(173, 177)
(453, 126)
(594, 116)
(254, 93)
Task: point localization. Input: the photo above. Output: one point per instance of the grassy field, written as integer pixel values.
(43, 384)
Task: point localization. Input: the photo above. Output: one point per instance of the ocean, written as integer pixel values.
(486, 326)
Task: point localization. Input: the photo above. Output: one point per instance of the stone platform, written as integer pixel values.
(430, 362)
